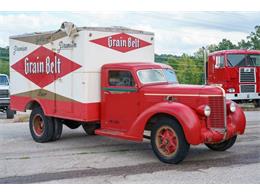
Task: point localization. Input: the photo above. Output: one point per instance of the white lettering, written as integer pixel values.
(42, 67)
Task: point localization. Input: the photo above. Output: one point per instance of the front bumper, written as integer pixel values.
(236, 123)
(242, 96)
(4, 101)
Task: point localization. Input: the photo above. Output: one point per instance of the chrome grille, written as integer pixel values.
(247, 75)
(4, 93)
(217, 118)
(247, 88)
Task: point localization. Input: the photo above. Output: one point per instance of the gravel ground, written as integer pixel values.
(77, 158)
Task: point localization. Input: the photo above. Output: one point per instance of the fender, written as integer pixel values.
(21, 103)
(187, 118)
(238, 120)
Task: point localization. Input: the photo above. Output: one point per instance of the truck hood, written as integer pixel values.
(4, 87)
(181, 89)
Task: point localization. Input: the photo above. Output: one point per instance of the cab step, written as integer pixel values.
(116, 134)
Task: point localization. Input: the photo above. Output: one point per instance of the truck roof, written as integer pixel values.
(235, 51)
(136, 65)
(102, 29)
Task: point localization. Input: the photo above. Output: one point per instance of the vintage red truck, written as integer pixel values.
(105, 80)
(237, 72)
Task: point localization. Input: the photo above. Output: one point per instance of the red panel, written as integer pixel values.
(81, 111)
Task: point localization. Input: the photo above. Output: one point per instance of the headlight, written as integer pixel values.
(232, 107)
(207, 110)
(231, 90)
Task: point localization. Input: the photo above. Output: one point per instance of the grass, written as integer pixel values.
(21, 118)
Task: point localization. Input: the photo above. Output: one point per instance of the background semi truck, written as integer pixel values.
(105, 80)
(238, 72)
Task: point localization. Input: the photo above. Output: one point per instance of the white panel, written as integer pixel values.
(19, 84)
(19, 49)
(75, 54)
(97, 55)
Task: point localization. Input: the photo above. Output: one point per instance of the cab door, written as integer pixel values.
(219, 72)
(120, 100)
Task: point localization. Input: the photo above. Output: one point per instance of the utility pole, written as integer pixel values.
(205, 52)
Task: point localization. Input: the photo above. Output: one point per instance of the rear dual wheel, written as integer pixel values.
(44, 128)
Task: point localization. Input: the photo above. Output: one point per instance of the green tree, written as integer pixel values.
(243, 44)
(254, 38)
(226, 44)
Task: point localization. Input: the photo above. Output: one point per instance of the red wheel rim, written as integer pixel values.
(38, 125)
(166, 141)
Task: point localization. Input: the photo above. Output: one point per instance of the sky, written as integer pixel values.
(175, 32)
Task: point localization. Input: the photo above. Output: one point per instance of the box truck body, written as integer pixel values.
(62, 72)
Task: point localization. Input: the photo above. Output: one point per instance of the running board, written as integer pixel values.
(116, 134)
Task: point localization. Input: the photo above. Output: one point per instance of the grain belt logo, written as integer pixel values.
(43, 66)
(121, 42)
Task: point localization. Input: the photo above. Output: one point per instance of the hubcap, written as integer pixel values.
(166, 141)
(38, 125)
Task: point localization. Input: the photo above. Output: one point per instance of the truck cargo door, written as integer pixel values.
(63, 89)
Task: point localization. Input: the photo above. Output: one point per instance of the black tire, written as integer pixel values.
(90, 128)
(71, 124)
(257, 103)
(57, 123)
(223, 145)
(9, 113)
(45, 125)
(182, 147)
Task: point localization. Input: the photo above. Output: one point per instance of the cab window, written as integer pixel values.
(120, 78)
(219, 62)
(236, 60)
(3, 80)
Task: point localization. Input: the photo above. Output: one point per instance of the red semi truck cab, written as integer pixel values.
(63, 78)
(238, 72)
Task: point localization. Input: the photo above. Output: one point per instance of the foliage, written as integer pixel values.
(189, 69)
(4, 60)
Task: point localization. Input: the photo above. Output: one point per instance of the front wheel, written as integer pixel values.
(168, 141)
(257, 103)
(223, 145)
(9, 113)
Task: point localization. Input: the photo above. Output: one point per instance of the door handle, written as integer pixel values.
(107, 92)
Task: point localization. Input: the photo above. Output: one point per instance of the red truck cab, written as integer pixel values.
(238, 72)
(146, 96)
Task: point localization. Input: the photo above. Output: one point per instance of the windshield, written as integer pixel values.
(157, 76)
(254, 60)
(170, 76)
(243, 60)
(3, 80)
